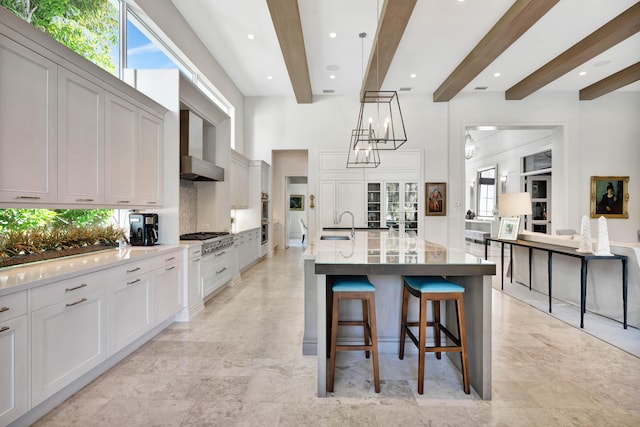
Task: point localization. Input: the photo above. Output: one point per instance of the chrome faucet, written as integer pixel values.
(353, 229)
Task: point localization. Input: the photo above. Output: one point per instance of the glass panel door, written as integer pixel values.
(393, 214)
(374, 214)
(411, 208)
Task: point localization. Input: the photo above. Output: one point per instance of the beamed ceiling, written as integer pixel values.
(590, 47)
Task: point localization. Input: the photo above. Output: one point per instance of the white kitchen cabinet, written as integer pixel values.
(239, 166)
(148, 181)
(393, 204)
(68, 339)
(167, 287)
(80, 140)
(13, 356)
(28, 126)
(217, 269)
(121, 131)
(130, 309)
(335, 197)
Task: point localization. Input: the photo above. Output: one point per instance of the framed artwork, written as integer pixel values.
(509, 228)
(609, 196)
(296, 202)
(436, 196)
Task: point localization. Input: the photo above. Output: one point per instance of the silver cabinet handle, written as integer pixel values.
(135, 269)
(84, 200)
(28, 197)
(135, 281)
(196, 252)
(170, 268)
(152, 203)
(3, 309)
(123, 201)
(220, 271)
(4, 329)
(221, 253)
(83, 285)
(77, 302)
(196, 260)
(170, 259)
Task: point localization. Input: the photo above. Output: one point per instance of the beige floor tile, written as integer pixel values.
(240, 363)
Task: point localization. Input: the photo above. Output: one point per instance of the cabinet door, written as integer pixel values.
(326, 204)
(13, 369)
(540, 189)
(120, 151)
(350, 197)
(401, 206)
(67, 340)
(80, 140)
(28, 126)
(167, 287)
(129, 311)
(194, 285)
(149, 160)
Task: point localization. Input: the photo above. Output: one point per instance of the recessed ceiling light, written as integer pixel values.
(413, 76)
(269, 77)
(251, 36)
(496, 74)
(332, 77)
(582, 73)
(332, 35)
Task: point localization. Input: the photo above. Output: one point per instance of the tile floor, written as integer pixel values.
(239, 363)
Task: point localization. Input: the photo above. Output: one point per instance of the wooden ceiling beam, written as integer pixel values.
(513, 24)
(618, 29)
(393, 20)
(285, 15)
(609, 84)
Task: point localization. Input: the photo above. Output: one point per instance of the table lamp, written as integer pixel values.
(512, 205)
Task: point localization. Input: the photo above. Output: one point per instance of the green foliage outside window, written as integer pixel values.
(17, 220)
(88, 27)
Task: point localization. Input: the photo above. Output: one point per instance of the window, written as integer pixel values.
(487, 191)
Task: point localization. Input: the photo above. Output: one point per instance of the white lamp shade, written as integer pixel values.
(514, 204)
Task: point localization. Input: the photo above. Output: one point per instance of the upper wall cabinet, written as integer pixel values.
(149, 160)
(239, 166)
(80, 140)
(70, 133)
(121, 126)
(28, 134)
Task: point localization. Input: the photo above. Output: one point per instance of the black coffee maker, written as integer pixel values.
(143, 229)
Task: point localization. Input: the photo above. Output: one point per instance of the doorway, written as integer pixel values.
(296, 207)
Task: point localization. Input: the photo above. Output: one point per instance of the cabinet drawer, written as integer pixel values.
(59, 291)
(13, 305)
(167, 260)
(130, 270)
(195, 251)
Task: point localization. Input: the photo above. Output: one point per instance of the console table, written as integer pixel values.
(562, 250)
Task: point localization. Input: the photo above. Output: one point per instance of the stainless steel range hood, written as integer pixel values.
(192, 165)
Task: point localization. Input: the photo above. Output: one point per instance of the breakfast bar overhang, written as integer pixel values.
(385, 256)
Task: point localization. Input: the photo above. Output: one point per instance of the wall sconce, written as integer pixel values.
(503, 180)
(311, 199)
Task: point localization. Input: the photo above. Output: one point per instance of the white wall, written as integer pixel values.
(438, 128)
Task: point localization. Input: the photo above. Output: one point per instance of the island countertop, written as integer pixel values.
(389, 252)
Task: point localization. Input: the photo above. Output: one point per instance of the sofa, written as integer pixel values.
(604, 277)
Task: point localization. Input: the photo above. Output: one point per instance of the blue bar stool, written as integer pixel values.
(435, 289)
(354, 287)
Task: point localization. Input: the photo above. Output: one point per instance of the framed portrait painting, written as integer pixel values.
(609, 196)
(296, 202)
(436, 196)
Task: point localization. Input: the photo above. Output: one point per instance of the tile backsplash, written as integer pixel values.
(188, 207)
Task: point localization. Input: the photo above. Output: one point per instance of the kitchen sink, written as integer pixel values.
(334, 238)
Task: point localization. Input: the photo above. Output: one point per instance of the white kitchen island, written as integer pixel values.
(384, 257)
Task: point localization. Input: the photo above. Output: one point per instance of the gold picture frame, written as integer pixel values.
(609, 196)
(436, 199)
(296, 202)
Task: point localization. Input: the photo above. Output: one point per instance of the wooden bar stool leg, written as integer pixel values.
(436, 326)
(365, 323)
(374, 343)
(422, 342)
(462, 333)
(403, 321)
(334, 340)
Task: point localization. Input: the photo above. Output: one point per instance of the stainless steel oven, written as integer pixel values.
(264, 227)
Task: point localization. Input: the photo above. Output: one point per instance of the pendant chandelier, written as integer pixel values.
(380, 120)
(362, 154)
(470, 146)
